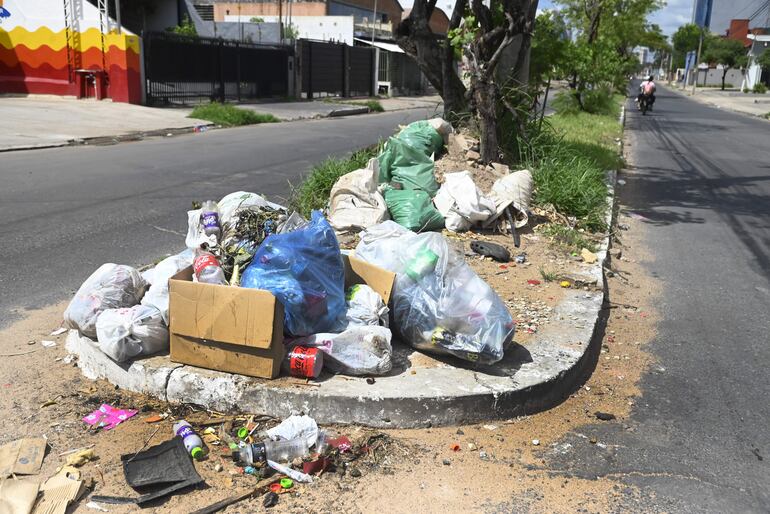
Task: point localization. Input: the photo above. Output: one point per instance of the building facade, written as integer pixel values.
(83, 54)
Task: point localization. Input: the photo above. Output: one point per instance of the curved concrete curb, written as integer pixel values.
(443, 392)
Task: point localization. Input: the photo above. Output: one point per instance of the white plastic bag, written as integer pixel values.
(157, 294)
(365, 307)
(382, 244)
(514, 189)
(296, 426)
(195, 234)
(355, 203)
(361, 350)
(112, 286)
(442, 126)
(462, 203)
(127, 333)
(230, 204)
(439, 304)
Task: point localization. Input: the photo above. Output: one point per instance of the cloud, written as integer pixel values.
(675, 14)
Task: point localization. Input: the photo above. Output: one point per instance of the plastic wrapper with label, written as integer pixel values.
(130, 332)
(439, 303)
(112, 286)
(359, 350)
(304, 270)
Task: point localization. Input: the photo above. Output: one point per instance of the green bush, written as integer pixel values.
(313, 192)
(230, 116)
(759, 88)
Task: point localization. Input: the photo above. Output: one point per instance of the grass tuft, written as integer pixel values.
(568, 238)
(549, 276)
(313, 192)
(230, 116)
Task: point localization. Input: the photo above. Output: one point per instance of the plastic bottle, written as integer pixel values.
(304, 362)
(278, 451)
(191, 440)
(207, 268)
(210, 219)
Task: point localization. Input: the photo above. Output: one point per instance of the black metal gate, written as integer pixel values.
(183, 69)
(336, 69)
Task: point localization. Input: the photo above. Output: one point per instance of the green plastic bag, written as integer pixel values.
(423, 136)
(413, 209)
(408, 166)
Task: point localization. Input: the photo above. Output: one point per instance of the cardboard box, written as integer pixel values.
(240, 330)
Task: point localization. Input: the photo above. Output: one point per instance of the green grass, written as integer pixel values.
(568, 238)
(373, 104)
(569, 163)
(313, 191)
(549, 276)
(230, 116)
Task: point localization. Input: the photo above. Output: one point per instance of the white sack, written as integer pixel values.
(462, 203)
(514, 189)
(129, 332)
(355, 202)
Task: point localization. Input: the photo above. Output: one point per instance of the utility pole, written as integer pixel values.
(374, 18)
(697, 62)
(117, 16)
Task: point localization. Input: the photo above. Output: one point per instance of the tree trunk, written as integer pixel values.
(485, 100)
(724, 74)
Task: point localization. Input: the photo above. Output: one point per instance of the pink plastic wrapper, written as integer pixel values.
(107, 417)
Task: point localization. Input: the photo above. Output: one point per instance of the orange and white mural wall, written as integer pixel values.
(37, 56)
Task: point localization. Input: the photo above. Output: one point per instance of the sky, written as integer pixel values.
(675, 14)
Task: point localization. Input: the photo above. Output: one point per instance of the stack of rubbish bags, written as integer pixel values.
(438, 304)
(400, 185)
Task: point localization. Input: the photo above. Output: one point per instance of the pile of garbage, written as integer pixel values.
(400, 184)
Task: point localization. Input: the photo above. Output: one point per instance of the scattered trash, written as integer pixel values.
(588, 256)
(355, 203)
(295, 475)
(455, 447)
(22, 457)
(108, 417)
(58, 331)
(48, 344)
(58, 492)
(342, 444)
(295, 427)
(261, 488)
(287, 483)
(521, 258)
(365, 306)
(155, 418)
(514, 190)
(621, 182)
(447, 462)
(565, 283)
(81, 457)
(604, 416)
(112, 286)
(96, 506)
(533, 282)
(494, 250)
(159, 471)
(490, 427)
(535, 442)
(192, 441)
(17, 496)
(271, 500)
(316, 466)
(413, 209)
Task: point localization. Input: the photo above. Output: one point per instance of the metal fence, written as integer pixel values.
(335, 69)
(183, 69)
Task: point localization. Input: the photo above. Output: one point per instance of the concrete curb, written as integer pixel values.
(527, 380)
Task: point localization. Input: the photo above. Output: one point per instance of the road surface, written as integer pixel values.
(700, 440)
(68, 210)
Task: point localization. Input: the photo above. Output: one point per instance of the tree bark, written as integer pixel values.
(724, 74)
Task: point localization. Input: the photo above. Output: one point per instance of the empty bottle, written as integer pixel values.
(207, 268)
(190, 439)
(278, 451)
(304, 362)
(210, 219)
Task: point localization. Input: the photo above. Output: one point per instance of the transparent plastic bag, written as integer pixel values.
(304, 270)
(127, 333)
(360, 350)
(157, 294)
(439, 304)
(365, 307)
(112, 286)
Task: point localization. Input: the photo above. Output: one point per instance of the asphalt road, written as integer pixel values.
(700, 439)
(68, 210)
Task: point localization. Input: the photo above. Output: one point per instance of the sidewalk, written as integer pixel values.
(42, 121)
(302, 110)
(746, 103)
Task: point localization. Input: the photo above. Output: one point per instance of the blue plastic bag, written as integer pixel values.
(304, 270)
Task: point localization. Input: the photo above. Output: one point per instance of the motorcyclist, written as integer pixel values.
(647, 87)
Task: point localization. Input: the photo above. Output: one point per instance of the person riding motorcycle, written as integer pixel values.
(647, 88)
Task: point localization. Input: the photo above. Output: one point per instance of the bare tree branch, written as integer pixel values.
(499, 52)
